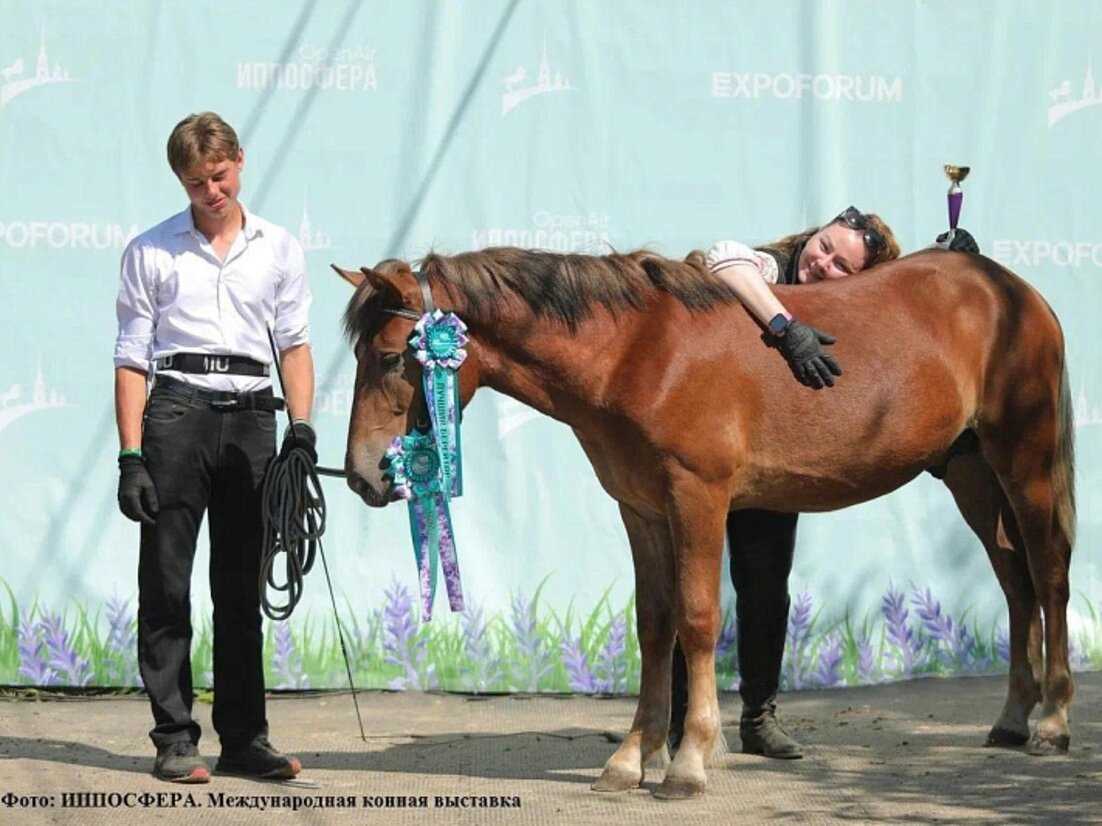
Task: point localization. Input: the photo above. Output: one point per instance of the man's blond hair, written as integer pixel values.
(201, 138)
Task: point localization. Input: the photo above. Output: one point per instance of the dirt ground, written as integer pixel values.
(907, 752)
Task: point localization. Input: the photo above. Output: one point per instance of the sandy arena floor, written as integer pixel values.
(911, 752)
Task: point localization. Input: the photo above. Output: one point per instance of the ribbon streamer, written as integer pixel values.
(426, 468)
(437, 342)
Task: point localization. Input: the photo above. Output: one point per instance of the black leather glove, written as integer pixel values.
(137, 495)
(300, 435)
(962, 241)
(802, 346)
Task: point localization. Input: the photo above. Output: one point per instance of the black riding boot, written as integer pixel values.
(762, 546)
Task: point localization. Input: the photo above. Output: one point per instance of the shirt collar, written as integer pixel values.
(252, 224)
(184, 224)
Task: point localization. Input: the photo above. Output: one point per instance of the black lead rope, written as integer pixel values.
(293, 514)
(294, 521)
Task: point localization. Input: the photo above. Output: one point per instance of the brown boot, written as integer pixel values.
(761, 733)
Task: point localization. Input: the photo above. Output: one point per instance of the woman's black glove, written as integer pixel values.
(137, 495)
(802, 346)
(301, 435)
(962, 241)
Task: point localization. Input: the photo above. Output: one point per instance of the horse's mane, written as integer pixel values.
(562, 287)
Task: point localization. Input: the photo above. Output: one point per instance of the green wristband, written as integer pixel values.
(130, 451)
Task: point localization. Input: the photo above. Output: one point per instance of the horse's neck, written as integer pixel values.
(543, 365)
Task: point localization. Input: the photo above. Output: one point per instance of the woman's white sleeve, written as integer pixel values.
(732, 253)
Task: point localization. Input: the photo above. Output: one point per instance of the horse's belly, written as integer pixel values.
(808, 495)
(825, 481)
(845, 449)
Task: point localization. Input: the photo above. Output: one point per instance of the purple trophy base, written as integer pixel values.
(955, 201)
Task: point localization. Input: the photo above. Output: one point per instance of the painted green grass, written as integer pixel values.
(529, 647)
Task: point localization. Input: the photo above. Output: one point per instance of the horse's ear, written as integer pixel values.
(353, 278)
(382, 283)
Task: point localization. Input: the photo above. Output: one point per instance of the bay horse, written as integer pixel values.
(951, 362)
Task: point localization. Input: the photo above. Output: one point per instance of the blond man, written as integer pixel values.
(199, 293)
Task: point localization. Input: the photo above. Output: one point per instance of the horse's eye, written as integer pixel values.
(390, 360)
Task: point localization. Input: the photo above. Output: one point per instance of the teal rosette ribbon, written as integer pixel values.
(437, 343)
(414, 466)
(426, 468)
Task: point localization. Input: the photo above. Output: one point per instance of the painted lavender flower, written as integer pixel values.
(534, 655)
(611, 661)
(71, 668)
(576, 663)
(799, 630)
(286, 660)
(1002, 644)
(945, 636)
(120, 648)
(867, 671)
(403, 646)
(482, 670)
(829, 672)
(32, 653)
(727, 649)
(907, 644)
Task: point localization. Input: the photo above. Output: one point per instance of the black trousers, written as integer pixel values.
(203, 458)
(762, 546)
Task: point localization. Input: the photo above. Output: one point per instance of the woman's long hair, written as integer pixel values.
(788, 245)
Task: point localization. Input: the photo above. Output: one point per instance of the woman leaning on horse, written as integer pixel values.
(761, 542)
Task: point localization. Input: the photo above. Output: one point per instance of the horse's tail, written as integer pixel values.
(1061, 476)
(1063, 469)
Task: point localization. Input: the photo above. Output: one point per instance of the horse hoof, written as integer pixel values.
(673, 788)
(1004, 738)
(1040, 746)
(617, 780)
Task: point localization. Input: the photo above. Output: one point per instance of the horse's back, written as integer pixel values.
(926, 343)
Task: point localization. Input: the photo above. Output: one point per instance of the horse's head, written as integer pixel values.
(388, 400)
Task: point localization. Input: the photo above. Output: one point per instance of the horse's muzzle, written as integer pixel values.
(371, 497)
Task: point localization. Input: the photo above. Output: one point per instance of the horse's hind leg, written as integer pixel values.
(1049, 553)
(1031, 452)
(652, 552)
(985, 508)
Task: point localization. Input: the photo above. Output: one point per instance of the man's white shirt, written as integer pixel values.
(175, 296)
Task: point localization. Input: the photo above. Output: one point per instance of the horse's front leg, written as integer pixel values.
(697, 517)
(652, 553)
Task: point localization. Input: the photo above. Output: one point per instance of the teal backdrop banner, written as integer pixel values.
(378, 129)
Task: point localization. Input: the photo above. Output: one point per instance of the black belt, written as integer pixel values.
(210, 363)
(218, 399)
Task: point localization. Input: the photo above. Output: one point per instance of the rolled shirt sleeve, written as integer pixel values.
(293, 299)
(735, 253)
(135, 311)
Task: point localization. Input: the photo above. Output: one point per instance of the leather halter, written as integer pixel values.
(424, 420)
(426, 300)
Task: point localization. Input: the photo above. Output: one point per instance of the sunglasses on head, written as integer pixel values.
(853, 218)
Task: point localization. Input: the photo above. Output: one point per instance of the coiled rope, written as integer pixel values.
(294, 521)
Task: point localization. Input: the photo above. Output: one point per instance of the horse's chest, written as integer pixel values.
(622, 471)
